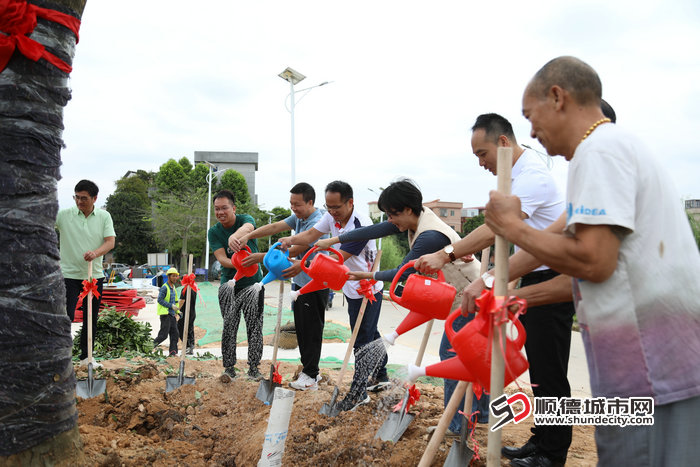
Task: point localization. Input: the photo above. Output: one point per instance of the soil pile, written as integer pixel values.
(217, 423)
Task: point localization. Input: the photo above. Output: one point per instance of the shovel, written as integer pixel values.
(396, 422)
(174, 382)
(91, 387)
(331, 408)
(460, 454)
(266, 390)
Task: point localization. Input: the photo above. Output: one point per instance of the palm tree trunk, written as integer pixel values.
(38, 417)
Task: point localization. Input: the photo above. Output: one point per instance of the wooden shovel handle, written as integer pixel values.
(439, 434)
(89, 315)
(186, 328)
(279, 323)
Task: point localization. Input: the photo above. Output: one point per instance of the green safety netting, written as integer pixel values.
(209, 318)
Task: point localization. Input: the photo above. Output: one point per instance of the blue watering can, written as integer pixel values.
(275, 261)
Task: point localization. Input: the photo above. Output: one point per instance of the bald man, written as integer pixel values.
(627, 243)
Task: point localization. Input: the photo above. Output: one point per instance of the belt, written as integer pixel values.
(540, 276)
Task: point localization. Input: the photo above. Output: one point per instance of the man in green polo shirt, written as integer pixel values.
(238, 225)
(86, 234)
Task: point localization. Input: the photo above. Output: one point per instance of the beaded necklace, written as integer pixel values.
(594, 126)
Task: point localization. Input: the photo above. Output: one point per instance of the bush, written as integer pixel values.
(117, 334)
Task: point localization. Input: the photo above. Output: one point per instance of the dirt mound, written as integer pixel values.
(216, 423)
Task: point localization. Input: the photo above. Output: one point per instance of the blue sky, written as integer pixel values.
(408, 80)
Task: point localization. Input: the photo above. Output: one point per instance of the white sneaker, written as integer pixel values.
(305, 383)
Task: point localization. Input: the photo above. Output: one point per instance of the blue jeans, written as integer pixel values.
(482, 405)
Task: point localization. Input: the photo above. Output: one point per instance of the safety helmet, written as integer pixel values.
(172, 271)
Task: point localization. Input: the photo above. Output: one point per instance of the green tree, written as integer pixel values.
(130, 214)
(179, 219)
(695, 226)
(235, 182)
(472, 223)
(136, 186)
(172, 177)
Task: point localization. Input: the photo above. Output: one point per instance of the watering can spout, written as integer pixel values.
(269, 277)
(452, 368)
(312, 286)
(415, 372)
(391, 338)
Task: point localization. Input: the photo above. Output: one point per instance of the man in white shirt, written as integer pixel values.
(341, 216)
(548, 327)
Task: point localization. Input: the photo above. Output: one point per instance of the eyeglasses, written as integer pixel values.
(82, 198)
(335, 208)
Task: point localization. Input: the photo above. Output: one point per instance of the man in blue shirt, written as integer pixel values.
(309, 309)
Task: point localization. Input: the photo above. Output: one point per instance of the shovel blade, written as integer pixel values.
(90, 387)
(394, 426)
(459, 455)
(266, 391)
(174, 382)
(330, 409)
(85, 390)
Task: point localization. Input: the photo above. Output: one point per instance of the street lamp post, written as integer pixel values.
(206, 250)
(294, 77)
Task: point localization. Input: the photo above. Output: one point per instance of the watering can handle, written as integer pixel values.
(314, 248)
(276, 245)
(450, 320)
(395, 281)
(520, 340)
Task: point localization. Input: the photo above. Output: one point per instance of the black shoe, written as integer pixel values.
(527, 450)
(536, 460)
(254, 374)
(228, 375)
(189, 351)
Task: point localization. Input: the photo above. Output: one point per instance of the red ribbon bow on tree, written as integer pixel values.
(18, 20)
(366, 289)
(89, 286)
(188, 281)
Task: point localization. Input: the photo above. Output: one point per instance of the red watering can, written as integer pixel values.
(425, 297)
(325, 271)
(473, 348)
(237, 261)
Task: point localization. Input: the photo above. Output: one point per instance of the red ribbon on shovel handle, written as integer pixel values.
(89, 287)
(276, 376)
(188, 281)
(366, 289)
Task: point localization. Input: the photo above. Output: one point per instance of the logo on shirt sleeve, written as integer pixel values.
(583, 210)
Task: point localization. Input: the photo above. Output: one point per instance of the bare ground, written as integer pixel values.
(216, 423)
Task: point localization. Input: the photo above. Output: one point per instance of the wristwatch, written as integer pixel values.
(488, 280)
(450, 251)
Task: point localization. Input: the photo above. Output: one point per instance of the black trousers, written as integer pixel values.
(73, 289)
(168, 328)
(309, 318)
(548, 344)
(190, 329)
